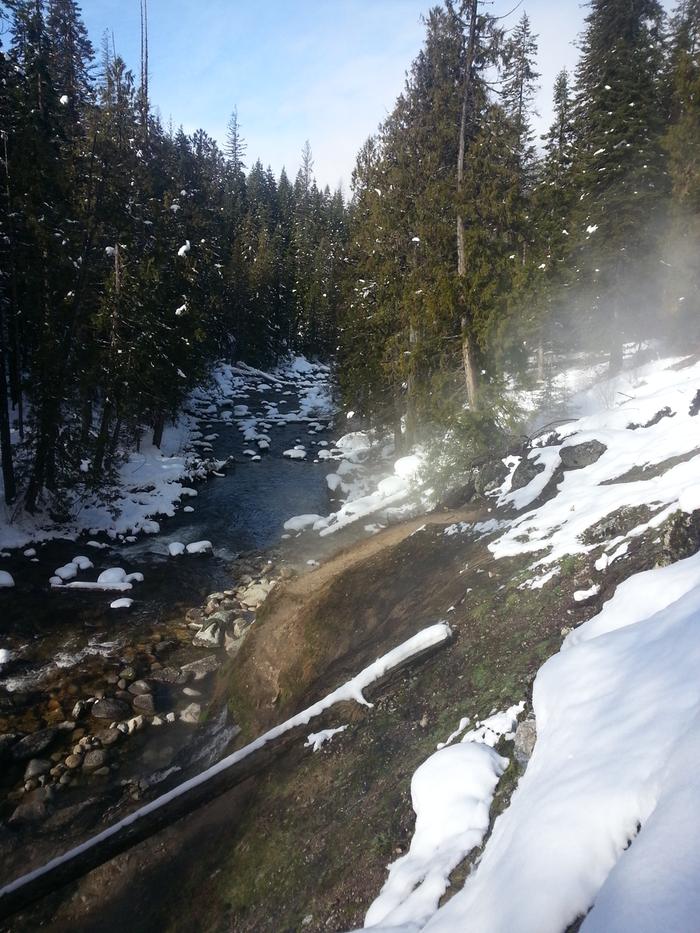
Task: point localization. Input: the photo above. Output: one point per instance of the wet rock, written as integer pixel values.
(211, 636)
(524, 741)
(66, 778)
(101, 772)
(73, 761)
(190, 714)
(525, 472)
(143, 702)
(168, 675)
(139, 686)
(189, 692)
(36, 767)
(34, 806)
(108, 736)
(6, 743)
(110, 709)
(33, 745)
(199, 669)
(194, 616)
(577, 456)
(121, 683)
(94, 759)
(127, 673)
(255, 594)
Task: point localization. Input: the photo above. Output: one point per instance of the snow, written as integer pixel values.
(300, 522)
(451, 794)
(113, 575)
(315, 740)
(430, 637)
(295, 453)
(6, 579)
(580, 595)
(124, 603)
(175, 548)
(184, 249)
(199, 547)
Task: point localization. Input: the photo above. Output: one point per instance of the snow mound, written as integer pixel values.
(6, 579)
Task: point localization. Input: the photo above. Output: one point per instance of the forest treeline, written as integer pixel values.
(478, 250)
(132, 256)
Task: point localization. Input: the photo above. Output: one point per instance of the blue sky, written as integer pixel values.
(324, 70)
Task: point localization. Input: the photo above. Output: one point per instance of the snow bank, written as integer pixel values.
(451, 794)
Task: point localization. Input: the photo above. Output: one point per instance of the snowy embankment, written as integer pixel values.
(369, 482)
(603, 823)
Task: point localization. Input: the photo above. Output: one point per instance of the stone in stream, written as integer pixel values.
(36, 767)
(199, 669)
(169, 675)
(211, 636)
(139, 686)
(73, 761)
(94, 759)
(108, 736)
(143, 702)
(32, 745)
(110, 709)
(190, 714)
(33, 807)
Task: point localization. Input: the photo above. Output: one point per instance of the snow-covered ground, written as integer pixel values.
(605, 820)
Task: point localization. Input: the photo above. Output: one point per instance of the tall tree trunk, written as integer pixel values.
(158, 427)
(8, 473)
(468, 349)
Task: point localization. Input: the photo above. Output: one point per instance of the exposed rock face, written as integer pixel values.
(524, 742)
(33, 745)
(681, 537)
(525, 472)
(110, 709)
(199, 669)
(578, 456)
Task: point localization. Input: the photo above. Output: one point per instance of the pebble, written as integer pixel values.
(144, 703)
(94, 760)
(72, 762)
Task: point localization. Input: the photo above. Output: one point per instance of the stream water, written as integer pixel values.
(45, 630)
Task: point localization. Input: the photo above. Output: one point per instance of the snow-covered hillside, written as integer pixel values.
(603, 822)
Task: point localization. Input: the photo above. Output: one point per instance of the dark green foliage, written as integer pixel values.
(132, 258)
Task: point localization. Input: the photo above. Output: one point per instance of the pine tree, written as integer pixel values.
(619, 168)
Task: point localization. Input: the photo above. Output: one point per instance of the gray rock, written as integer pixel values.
(255, 594)
(198, 670)
(36, 767)
(33, 745)
(524, 741)
(79, 709)
(525, 472)
(143, 702)
(169, 675)
(139, 686)
(108, 736)
(190, 714)
(94, 759)
(194, 616)
(34, 806)
(211, 636)
(110, 709)
(578, 456)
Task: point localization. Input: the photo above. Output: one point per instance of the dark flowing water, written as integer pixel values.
(240, 512)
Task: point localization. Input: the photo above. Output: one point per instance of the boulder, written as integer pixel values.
(94, 759)
(36, 767)
(525, 472)
(139, 686)
(169, 675)
(143, 702)
(190, 714)
(33, 745)
(524, 741)
(577, 456)
(211, 636)
(198, 670)
(110, 709)
(34, 806)
(108, 736)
